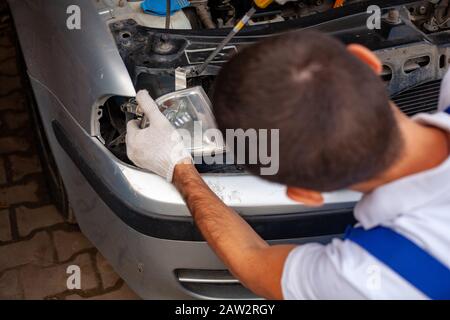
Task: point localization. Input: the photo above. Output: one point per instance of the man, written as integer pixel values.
(338, 129)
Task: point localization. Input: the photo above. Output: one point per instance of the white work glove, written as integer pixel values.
(159, 147)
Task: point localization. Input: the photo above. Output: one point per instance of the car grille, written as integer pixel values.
(422, 98)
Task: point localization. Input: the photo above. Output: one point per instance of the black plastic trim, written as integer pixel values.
(270, 227)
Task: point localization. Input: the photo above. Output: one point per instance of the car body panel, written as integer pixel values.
(82, 67)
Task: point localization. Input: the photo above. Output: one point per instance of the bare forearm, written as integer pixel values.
(221, 226)
(233, 240)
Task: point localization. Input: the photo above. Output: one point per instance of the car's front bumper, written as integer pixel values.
(164, 255)
(141, 225)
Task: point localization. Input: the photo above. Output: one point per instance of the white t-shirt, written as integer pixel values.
(417, 206)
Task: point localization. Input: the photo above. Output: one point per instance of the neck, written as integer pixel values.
(425, 147)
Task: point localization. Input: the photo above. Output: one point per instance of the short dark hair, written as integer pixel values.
(337, 127)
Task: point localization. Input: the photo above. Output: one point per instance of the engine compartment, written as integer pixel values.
(225, 13)
(155, 56)
(430, 15)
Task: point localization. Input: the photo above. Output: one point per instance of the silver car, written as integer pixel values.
(86, 59)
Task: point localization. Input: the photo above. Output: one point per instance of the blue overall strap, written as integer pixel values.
(405, 258)
(447, 110)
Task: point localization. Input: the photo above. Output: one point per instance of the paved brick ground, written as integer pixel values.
(36, 246)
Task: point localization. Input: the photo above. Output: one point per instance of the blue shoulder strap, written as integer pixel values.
(447, 110)
(408, 260)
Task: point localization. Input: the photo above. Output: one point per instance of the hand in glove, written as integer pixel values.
(159, 147)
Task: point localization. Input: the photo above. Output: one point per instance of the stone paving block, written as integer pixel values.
(8, 84)
(13, 144)
(6, 53)
(37, 250)
(24, 165)
(16, 194)
(8, 68)
(14, 101)
(40, 283)
(3, 179)
(5, 41)
(15, 120)
(31, 219)
(69, 243)
(5, 227)
(108, 275)
(10, 287)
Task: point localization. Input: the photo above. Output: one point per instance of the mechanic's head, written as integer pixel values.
(337, 125)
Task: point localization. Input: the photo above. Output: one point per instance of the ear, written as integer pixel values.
(307, 197)
(366, 56)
